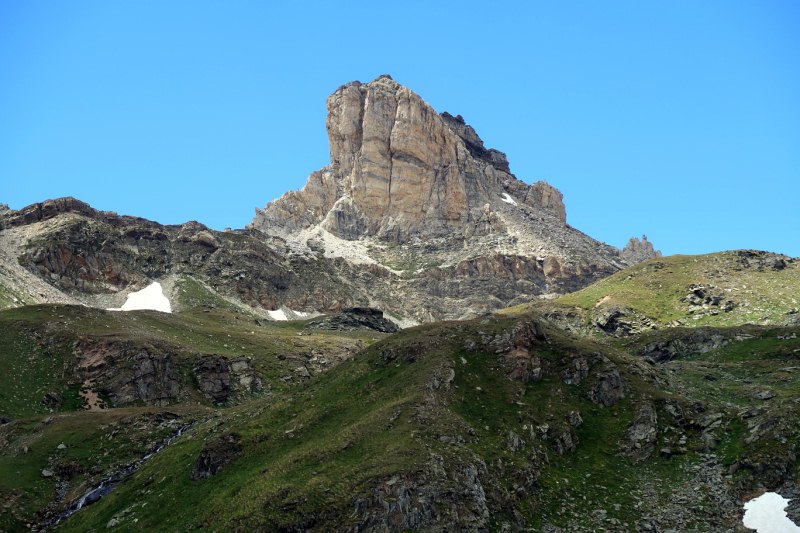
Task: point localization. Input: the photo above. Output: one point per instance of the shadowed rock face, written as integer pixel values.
(354, 318)
(398, 170)
(215, 455)
(128, 372)
(220, 378)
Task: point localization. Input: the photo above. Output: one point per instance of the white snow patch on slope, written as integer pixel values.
(278, 314)
(151, 297)
(283, 314)
(507, 199)
(767, 514)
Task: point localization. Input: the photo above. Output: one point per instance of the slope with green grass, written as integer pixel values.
(762, 288)
(435, 428)
(501, 423)
(39, 343)
(40, 360)
(719, 290)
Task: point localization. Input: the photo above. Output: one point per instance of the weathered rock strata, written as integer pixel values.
(398, 170)
(403, 178)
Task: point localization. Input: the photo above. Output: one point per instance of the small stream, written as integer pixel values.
(110, 482)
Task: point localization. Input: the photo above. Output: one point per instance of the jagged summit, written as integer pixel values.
(419, 194)
(637, 250)
(400, 170)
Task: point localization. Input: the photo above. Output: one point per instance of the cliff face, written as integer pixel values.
(418, 194)
(399, 170)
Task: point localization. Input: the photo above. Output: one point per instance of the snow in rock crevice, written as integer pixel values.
(150, 298)
(767, 514)
(508, 199)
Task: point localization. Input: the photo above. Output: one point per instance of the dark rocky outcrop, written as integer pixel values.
(53, 399)
(685, 342)
(46, 210)
(221, 379)
(760, 260)
(619, 321)
(127, 372)
(437, 498)
(609, 388)
(353, 318)
(704, 299)
(217, 453)
(641, 437)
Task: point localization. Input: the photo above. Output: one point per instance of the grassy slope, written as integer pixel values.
(95, 442)
(36, 348)
(303, 452)
(371, 418)
(319, 445)
(36, 345)
(656, 287)
(366, 421)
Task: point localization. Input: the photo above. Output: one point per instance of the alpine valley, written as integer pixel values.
(416, 340)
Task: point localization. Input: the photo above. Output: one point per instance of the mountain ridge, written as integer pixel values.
(414, 216)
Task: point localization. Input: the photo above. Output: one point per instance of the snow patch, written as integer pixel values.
(278, 314)
(150, 298)
(767, 514)
(290, 314)
(507, 199)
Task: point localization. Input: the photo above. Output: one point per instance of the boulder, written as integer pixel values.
(216, 453)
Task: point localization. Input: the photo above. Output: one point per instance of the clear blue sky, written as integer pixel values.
(676, 119)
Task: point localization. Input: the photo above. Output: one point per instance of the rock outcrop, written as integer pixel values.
(354, 318)
(127, 372)
(419, 194)
(215, 455)
(400, 170)
(637, 250)
(220, 379)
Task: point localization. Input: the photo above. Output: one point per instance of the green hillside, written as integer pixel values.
(507, 422)
(761, 288)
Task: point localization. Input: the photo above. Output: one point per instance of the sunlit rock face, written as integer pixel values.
(399, 169)
(418, 195)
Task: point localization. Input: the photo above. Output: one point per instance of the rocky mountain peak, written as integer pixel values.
(44, 211)
(637, 250)
(399, 170)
